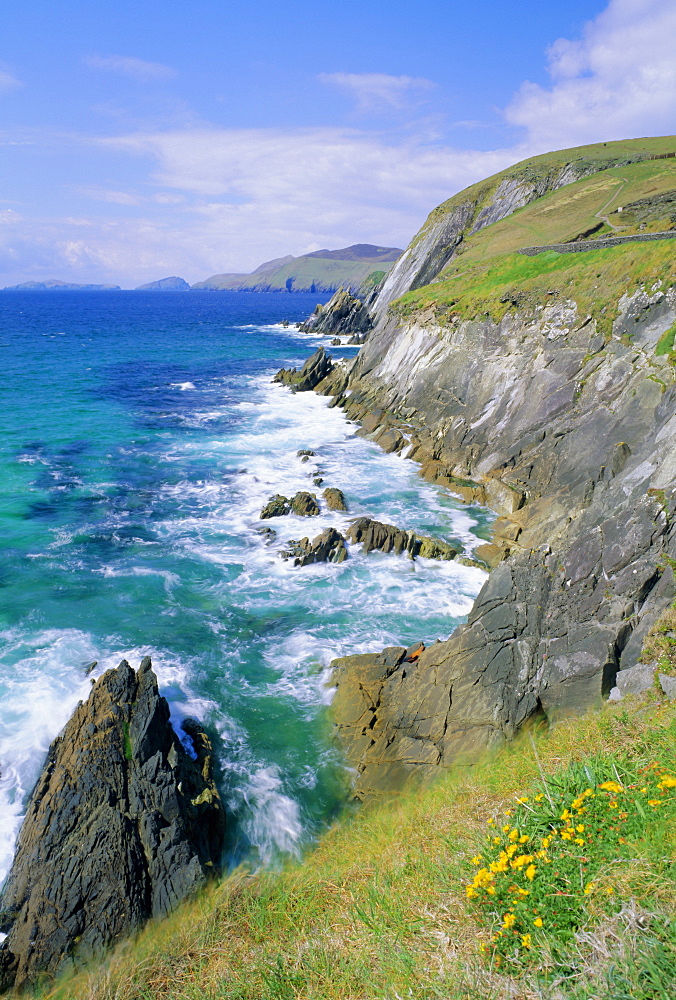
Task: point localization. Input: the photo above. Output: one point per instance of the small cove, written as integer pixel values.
(140, 438)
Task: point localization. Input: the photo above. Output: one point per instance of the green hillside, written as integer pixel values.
(487, 276)
(320, 271)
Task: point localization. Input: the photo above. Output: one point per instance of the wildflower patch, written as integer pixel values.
(553, 859)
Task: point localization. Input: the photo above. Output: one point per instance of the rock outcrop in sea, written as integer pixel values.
(344, 314)
(123, 824)
(317, 367)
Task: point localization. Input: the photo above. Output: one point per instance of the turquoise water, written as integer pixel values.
(140, 435)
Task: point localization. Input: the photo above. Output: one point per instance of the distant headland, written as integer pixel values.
(360, 267)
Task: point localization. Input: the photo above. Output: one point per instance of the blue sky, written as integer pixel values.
(141, 140)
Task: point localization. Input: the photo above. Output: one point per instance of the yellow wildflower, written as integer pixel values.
(613, 805)
(566, 835)
(667, 782)
(580, 828)
(538, 921)
(530, 872)
(655, 802)
(590, 886)
(546, 841)
(565, 815)
(511, 850)
(522, 800)
(611, 786)
(539, 797)
(526, 940)
(477, 860)
(514, 834)
(579, 841)
(471, 891)
(508, 921)
(524, 838)
(506, 828)
(523, 859)
(496, 840)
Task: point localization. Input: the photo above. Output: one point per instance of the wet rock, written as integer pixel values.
(336, 342)
(305, 453)
(123, 824)
(269, 534)
(316, 368)
(335, 499)
(304, 504)
(276, 506)
(344, 313)
(387, 538)
(327, 547)
(317, 480)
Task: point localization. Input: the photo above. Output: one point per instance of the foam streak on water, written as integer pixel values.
(130, 502)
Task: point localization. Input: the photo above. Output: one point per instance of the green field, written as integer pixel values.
(486, 276)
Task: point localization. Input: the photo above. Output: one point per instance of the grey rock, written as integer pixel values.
(387, 538)
(317, 367)
(344, 313)
(329, 546)
(634, 680)
(668, 685)
(121, 827)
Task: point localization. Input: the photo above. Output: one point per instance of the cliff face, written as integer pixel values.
(571, 438)
(122, 825)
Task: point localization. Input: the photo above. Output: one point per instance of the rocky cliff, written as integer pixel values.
(564, 424)
(122, 825)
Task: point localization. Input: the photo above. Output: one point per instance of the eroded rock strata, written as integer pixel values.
(122, 825)
(570, 436)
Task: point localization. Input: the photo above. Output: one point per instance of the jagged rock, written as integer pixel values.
(343, 313)
(304, 504)
(317, 480)
(668, 685)
(269, 534)
(387, 538)
(122, 825)
(316, 368)
(335, 499)
(305, 453)
(327, 547)
(276, 506)
(634, 680)
(336, 342)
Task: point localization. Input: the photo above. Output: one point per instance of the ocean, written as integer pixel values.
(140, 436)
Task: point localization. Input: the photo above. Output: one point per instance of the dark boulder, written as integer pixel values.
(276, 506)
(304, 504)
(327, 547)
(388, 538)
(344, 313)
(316, 368)
(121, 826)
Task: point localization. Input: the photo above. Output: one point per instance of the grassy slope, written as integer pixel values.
(488, 277)
(304, 271)
(380, 908)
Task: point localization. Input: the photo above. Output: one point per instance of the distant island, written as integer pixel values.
(172, 284)
(358, 268)
(52, 285)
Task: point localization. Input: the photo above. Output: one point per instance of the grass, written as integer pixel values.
(380, 909)
(596, 280)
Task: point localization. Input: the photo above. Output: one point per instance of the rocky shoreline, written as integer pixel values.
(570, 437)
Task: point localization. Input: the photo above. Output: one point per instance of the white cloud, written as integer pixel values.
(138, 69)
(379, 91)
(111, 196)
(7, 81)
(617, 81)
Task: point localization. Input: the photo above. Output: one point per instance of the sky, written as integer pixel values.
(141, 140)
